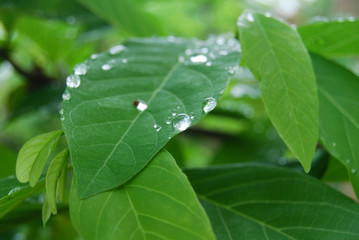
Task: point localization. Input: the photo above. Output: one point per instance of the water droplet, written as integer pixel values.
(223, 52)
(66, 95)
(334, 144)
(353, 170)
(140, 105)
(94, 56)
(117, 49)
(14, 190)
(208, 64)
(80, 69)
(106, 67)
(204, 50)
(174, 114)
(209, 104)
(199, 59)
(347, 161)
(231, 70)
(155, 126)
(62, 117)
(124, 60)
(181, 122)
(168, 122)
(181, 59)
(158, 128)
(250, 17)
(268, 14)
(73, 81)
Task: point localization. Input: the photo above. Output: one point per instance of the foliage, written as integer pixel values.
(186, 136)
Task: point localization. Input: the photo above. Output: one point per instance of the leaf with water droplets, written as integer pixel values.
(339, 116)
(12, 193)
(334, 38)
(109, 119)
(277, 57)
(253, 201)
(159, 203)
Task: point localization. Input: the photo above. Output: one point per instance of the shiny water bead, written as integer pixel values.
(181, 122)
(209, 104)
(73, 81)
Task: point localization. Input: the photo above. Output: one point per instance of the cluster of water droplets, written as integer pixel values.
(205, 52)
(322, 19)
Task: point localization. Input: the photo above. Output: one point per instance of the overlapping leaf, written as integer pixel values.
(277, 57)
(110, 140)
(33, 156)
(339, 116)
(12, 193)
(335, 38)
(159, 203)
(252, 201)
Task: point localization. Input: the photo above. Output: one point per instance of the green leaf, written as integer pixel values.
(61, 185)
(46, 211)
(52, 176)
(339, 116)
(33, 156)
(110, 140)
(159, 203)
(277, 57)
(12, 193)
(333, 39)
(252, 201)
(127, 15)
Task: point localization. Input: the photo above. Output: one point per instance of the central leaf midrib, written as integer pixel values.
(165, 80)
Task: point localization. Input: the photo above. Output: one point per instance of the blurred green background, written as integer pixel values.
(41, 41)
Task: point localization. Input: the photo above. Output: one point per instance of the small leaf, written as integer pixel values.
(339, 116)
(333, 39)
(12, 193)
(52, 176)
(33, 156)
(134, 98)
(159, 203)
(61, 185)
(252, 201)
(46, 211)
(277, 57)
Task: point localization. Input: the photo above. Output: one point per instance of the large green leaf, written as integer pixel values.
(12, 193)
(251, 201)
(110, 139)
(332, 38)
(277, 57)
(33, 156)
(159, 203)
(339, 116)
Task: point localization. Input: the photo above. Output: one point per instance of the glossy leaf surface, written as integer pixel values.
(132, 101)
(277, 57)
(252, 201)
(339, 116)
(336, 38)
(159, 203)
